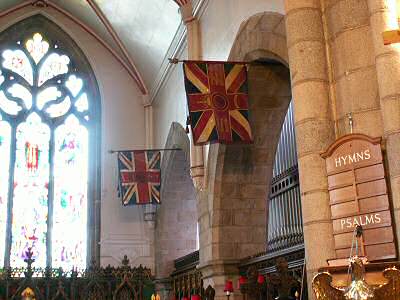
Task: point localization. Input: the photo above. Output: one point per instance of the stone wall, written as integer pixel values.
(176, 224)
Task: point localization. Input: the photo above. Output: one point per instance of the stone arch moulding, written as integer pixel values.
(176, 221)
(177, 138)
(261, 36)
(233, 213)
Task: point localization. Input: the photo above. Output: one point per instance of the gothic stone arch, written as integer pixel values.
(233, 209)
(176, 223)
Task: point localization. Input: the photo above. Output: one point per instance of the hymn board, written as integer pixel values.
(359, 196)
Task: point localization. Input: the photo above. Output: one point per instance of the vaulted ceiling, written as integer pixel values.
(146, 28)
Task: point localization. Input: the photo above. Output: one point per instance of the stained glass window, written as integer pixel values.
(46, 127)
(70, 205)
(31, 177)
(5, 136)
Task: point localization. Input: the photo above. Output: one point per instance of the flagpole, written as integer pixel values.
(175, 61)
(132, 150)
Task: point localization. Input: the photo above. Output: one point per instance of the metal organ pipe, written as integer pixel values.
(293, 205)
(275, 226)
(285, 221)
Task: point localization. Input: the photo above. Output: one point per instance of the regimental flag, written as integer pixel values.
(139, 177)
(217, 97)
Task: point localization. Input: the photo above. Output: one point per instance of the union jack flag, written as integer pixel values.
(139, 177)
(217, 97)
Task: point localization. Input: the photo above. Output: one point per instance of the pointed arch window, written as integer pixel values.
(48, 124)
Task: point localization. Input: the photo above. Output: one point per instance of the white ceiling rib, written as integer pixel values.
(120, 44)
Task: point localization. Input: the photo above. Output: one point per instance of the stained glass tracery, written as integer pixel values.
(9, 107)
(21, 92)
(45, 109)
(37, 47)
(17, 62)
(54, 65)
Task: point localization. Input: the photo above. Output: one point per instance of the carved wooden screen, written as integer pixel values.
(48, 124)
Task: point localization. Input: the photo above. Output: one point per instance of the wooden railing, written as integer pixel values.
(94, 283)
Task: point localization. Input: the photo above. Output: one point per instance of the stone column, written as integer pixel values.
(383, 17)
(148, 114)
(215, 272)
(314, 126)
(354, 80)
(194, 53)
(196, 152)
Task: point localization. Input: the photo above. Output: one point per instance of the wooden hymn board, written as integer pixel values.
(359, 196)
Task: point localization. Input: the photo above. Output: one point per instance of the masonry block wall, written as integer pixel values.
(176, 225)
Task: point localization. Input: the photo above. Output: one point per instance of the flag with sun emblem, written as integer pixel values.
(139, 177)
(217, 97)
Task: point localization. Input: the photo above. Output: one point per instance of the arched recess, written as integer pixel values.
(176, 223)
(233, 214)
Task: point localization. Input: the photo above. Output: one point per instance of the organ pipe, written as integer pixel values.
(285, 227)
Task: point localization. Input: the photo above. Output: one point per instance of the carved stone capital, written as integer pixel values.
(197, 174)
(187, 12)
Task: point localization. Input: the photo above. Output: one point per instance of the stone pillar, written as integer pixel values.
(194, 53)
(314, 126)
(382, 18)
(196, 152)
(148, 113)
(214, 272)
(149, 210)
(354, 80)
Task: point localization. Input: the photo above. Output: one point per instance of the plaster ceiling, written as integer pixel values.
(145, 27)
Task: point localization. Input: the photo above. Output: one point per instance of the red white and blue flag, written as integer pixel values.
(139, 177)
(218, 103)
